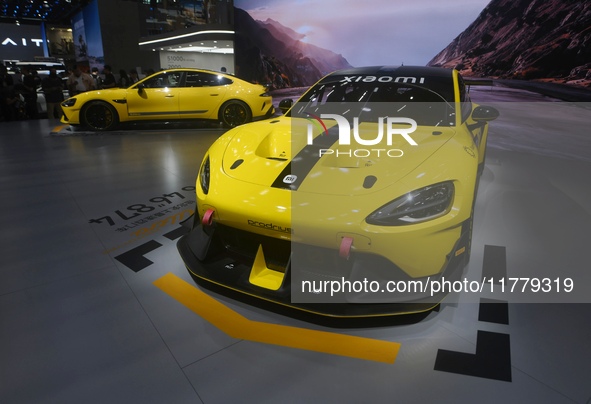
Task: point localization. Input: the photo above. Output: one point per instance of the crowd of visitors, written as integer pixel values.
(20, 90)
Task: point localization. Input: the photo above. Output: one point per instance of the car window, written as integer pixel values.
(163, 80)
(201, 79)
(371, 101)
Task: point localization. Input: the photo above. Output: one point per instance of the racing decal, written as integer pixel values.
(269, 226)
(469, 151)
(290, 179)
(383, 79)
(201, 111)
(197, 111)
(305, 160)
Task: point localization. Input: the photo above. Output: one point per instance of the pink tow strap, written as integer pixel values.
(207, 219)
(345, 248)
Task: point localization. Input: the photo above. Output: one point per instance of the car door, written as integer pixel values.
(202, 94)
(156, 97)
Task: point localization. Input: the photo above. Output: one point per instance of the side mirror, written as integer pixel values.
(484, 113)
(285, 105)
(140, 88)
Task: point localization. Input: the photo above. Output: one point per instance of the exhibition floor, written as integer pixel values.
(96, 305)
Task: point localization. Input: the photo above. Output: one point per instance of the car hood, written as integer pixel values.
(275, 153)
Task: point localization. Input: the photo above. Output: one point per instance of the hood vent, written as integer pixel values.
(236, 164)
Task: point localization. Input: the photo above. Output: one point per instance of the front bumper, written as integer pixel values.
(70, 116)
(226, 257)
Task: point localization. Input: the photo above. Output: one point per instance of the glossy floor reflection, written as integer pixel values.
(78, 323)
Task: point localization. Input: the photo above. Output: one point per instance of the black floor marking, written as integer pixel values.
(134, 259)
(492, 359)
(493, 311)
(494, 263)
(176, 233)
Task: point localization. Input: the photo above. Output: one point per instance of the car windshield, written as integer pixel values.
(370, 101)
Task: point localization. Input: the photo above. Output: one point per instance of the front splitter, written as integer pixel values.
(224, 272)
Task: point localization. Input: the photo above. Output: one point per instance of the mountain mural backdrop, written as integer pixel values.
(525, 39)
(268, 52)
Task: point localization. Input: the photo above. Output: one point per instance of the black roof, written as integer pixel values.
(403, 71)
(437, 79)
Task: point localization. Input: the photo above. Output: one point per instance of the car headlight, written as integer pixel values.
(414, 207)
(204, 176)
(69, 102)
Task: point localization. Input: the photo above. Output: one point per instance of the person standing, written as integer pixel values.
(98, 81)
(6, 89)
(53, 89)
(109, 81)
(29, 93)
(79, 82)
(124, 80)
(17, 77)
(133, 76)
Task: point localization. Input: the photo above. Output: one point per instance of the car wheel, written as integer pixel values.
(234, 113)
(99, 116)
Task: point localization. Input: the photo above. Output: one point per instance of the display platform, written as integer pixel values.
(96, 305)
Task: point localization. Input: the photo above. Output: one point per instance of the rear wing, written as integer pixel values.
(480, 82)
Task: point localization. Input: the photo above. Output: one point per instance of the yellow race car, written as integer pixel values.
(174, 94)
(357, 202)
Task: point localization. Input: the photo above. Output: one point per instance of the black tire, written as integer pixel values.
(234, 113)
(99, 116)
(469, 224)
(469, 228)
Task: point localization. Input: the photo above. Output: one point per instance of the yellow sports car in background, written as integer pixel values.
(363, 192)
(171, 95)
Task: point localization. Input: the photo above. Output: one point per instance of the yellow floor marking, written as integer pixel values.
(58, 128)
(238, 326)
